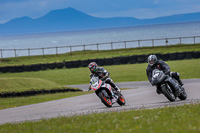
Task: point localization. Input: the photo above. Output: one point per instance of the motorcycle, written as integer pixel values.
(106, 93)
(168, 85)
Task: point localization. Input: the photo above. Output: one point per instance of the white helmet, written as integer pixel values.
(152, 60)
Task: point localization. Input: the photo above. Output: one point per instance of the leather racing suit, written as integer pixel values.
(104, 75)
(161, 65)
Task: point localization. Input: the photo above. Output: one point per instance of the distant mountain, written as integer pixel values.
(70, 19)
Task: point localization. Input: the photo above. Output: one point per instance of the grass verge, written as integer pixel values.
(23, 84)
(119, 73)
(181, 119)
(84, 55)
(21, 101)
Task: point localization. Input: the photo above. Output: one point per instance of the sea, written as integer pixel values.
(100, 39)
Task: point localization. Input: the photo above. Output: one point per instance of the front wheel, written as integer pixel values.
(121, 100)
(183, 94)
(166, 90)
(105, 99)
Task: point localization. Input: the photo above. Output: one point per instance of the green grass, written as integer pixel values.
(180, 119)
(84, 55)
(21, 101)
(24, 84)
(119, 73)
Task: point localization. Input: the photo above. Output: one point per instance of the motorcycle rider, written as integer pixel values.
(153, 63)
(102, 74)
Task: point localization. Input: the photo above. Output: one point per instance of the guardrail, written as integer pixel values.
(4, 53)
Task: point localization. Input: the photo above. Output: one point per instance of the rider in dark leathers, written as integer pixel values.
(102, 74)
(161, 65)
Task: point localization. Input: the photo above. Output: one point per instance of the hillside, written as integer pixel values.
(70, 19)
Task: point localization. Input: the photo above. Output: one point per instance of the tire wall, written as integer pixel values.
(101, 62)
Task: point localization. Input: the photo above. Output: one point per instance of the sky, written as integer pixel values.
(141, 9)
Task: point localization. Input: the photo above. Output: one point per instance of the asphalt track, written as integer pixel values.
(141, 96)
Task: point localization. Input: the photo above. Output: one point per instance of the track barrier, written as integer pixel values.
(101, 62)
(36, 92)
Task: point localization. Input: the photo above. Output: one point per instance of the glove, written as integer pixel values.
(167, 72)
(105, 77)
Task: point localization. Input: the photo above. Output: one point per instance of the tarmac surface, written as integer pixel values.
(141, 95)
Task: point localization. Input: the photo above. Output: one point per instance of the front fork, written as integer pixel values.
(108, 93)
(173, 83)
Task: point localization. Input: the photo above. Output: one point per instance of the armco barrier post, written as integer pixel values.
(1, 53)
(125, 44)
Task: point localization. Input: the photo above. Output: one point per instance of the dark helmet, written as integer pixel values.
(93, 67)
(152, 59)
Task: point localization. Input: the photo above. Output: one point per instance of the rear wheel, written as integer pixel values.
(105, 99)
(121, 100)
(166, 90)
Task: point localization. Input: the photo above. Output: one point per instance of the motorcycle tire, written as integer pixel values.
(121, 100)
(106, 101)
(168, 93)
(183, 95)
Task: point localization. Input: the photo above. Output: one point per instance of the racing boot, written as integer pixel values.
(176, 75)
(113, 85)
(117, 89)
(158, 89)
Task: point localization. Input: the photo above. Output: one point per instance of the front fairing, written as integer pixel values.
(95, 83)
(158, 76)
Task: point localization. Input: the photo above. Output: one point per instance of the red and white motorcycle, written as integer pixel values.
(106, 93)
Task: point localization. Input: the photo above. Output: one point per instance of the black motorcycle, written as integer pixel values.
(169, 86)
